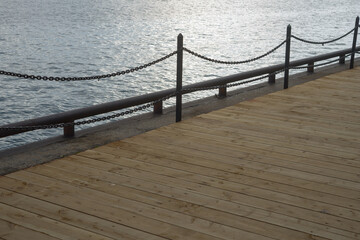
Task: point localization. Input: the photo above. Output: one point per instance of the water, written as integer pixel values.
(90, 37)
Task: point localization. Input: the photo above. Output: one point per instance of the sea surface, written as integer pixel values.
(90, 37)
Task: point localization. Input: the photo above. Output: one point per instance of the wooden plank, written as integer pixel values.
(69, 216)
(11, 231)
(285, 159)
(154, 220)
(212, 178)
(327, 84)
(277, 133)
(307, 97)
(226, 149)
(309, 116)
(112, 186)
(295, 113)
(341, 81)
(192, 196)
(45, 225)
(280, 140)
(290, 116)
(335, 83)
(321, 137)
(292, 124)
(350, 140)
(288, 122)
(167, 176)
(248, 167)
(322, 91)
(224, 171)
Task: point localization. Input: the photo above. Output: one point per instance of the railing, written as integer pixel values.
(66, 120)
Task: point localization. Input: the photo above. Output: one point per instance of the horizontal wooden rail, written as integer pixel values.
(71, 116)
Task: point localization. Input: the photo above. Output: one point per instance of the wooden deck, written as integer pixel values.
(282, 166)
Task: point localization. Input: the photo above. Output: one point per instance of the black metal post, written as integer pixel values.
(158, 107)
(310, 68)
(287, 57)
(272, 78)
(179, 71)
(354, 42)
(222, 92)
(69, 131)
(342, 59)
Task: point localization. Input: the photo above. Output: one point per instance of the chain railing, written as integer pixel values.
(324, 42)
(67, 121)
(96, 77)
(311, 69)
(234, 62)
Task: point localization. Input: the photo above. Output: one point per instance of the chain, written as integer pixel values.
(322, 43)
(234, 62)
(98, 77)
(109, 117)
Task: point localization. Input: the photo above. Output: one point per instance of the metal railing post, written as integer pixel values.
(179, 70)
(222, 92)
(272, 78)
(342, 59)
(287, 57)
(354, 42)
(310, 68)
(69, 131)
(158, 107)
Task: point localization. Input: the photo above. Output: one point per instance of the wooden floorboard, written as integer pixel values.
(281, 166)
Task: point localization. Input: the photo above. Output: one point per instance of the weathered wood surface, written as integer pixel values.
(282, 166)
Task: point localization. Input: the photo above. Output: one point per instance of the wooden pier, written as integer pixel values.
(281, 166)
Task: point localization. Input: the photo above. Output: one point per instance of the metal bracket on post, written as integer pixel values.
(69, 131)
(287, 57)
(354, 43)
(158, 107)
(179, 70)
(222, 92)
(272, 78)
(310, 68)
(342, 59)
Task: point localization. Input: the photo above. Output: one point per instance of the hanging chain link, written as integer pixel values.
(234, 62)
(325, 42)
(96, 77)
